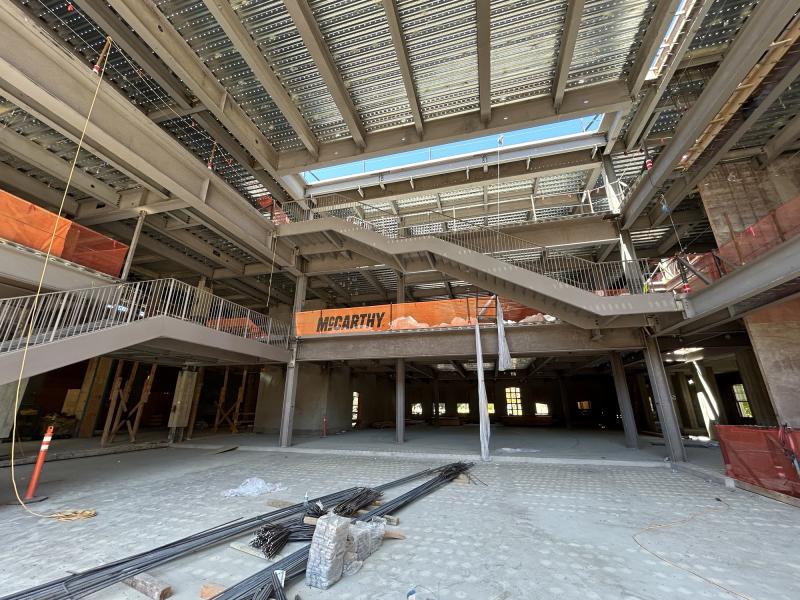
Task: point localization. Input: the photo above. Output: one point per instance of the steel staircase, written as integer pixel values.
(75, 325)
(587, 294)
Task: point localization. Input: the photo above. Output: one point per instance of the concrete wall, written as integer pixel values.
(735, 196)
(323, 391)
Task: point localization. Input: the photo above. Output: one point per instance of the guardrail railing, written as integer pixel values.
(60, 315)
(602, 278)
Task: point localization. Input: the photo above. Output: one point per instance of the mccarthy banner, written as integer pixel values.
(459, 312)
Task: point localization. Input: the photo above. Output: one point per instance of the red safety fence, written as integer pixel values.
(27, 224)
(762, 456)
(276, 214)
(460, 312)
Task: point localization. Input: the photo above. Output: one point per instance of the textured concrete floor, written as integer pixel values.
(518, 442)
(534, 531)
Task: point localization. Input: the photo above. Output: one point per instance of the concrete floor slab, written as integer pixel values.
(533, 531)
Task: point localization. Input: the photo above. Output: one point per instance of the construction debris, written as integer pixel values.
(149, 586)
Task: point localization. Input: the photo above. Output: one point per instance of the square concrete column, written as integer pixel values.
(9, 405)
(400, 401)
(754, 387)
(400, 376)
(624, 400)
(663, 401)
(290, 384)
(566, 405)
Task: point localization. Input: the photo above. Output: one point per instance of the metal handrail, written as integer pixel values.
(601, 278)
(60, 315)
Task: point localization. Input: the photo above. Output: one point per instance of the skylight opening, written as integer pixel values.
(670, 38)
(587, 124)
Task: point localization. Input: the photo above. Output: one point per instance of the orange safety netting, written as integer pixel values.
(761, 456)
(460, 312)
(781, 224)
(27, 224)
(276, 214)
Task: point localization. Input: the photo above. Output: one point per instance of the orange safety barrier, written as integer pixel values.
(781, 224)
(761, 456)
(460, 312)
(27, 224)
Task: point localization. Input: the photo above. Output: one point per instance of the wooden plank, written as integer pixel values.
(209, 590)
(124, 396)
(786, 499)
(198, 388)
(221, 400)
(149, 586)
(112, 407)
(144, 397)
(91, 399)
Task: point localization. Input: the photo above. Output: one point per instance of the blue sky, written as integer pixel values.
(519, 136)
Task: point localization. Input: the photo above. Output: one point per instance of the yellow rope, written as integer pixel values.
(656, 526)
(69, 515)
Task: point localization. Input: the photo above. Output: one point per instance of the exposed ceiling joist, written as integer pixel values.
(653, 95)
(110, 23)
(57, 87)
(34, 190)
(400, 50)
(663, 15)
(783, 75)
(566, 49)
(155, 29)
(248, 49)
(764, 24)
(588, 100)
(317, 47)
(37, 156)
(484, 25)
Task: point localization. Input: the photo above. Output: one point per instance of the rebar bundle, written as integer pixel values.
(80, 585)
(263, 584)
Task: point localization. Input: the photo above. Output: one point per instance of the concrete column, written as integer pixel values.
(436, 401)
(8, 405)
(624, 399)
(400, 401)
(290, 384)
(566, 405)
(687, 400)
(400, 376)
(663, 401)
(126, 269)
(754, 387)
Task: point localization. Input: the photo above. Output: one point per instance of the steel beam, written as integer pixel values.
(396, 31)
(125, 232)
(784, 139)
(624, 400)
(782, 76)
(653, 95)
(154, 28)
(317, 47)
(232, 146)
(663, 15)
(248, 49)
(57, 87)
(34, 190)
(37, 156)
(662, 398)
(484, 27)
(592, 99)
(763, 25)
(111, 24)
(566, 49)
(131, 203)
